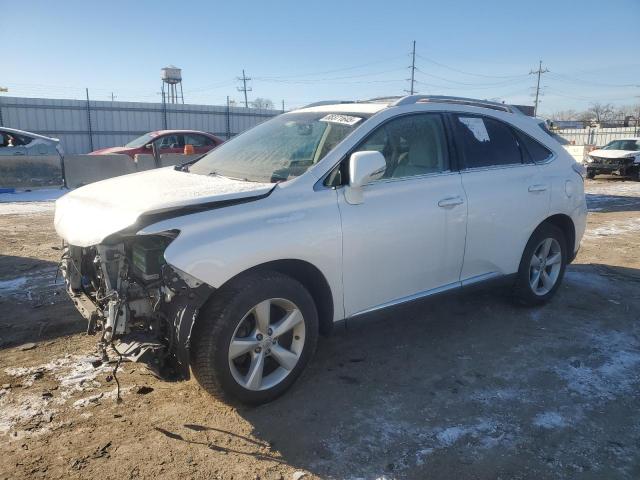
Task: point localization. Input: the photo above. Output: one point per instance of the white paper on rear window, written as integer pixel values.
(477, 127)
(342, 119)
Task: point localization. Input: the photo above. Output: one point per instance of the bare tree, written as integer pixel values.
(601, 112)
(564, 115)
(262, 103)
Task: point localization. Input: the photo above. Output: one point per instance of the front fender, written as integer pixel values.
(215, 246)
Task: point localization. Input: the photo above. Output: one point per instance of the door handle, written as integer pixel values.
(450, 202)
(537, 188)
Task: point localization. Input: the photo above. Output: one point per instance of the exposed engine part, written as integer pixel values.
(143, 307)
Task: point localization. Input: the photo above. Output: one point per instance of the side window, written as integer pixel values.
(170, 141)
(412, 145)
(486, 142)
(197, 140)
(533, 150)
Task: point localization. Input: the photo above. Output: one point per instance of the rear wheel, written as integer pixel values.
(255, 337)
(542, 266)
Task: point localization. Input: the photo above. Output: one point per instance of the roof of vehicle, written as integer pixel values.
(165, 132)
(28, 134)
(626, 139)
(375, 105)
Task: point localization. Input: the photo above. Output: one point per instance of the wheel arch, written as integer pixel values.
(564, 223)
(311, 278)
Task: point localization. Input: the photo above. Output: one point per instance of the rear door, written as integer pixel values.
(507, 195)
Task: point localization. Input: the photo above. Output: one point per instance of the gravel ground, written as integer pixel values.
(466, 386)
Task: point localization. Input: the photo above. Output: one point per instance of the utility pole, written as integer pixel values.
(2, 90)
(538, 72)
(412, 89)
(244, 88)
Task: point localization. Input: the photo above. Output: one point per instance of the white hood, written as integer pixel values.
(88, 215)
(611, 153)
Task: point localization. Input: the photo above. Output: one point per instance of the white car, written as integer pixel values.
(232, 265)
(620, 157)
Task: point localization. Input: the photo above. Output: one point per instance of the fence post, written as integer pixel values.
(228, 119)
(89, 121)
(164, 109)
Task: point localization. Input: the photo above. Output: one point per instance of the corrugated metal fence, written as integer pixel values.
(597, 136)
(83, 126)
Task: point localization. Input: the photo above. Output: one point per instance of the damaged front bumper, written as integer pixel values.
(141, 306)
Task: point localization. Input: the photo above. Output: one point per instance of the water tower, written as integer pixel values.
(172, 78)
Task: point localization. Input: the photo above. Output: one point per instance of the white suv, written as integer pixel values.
(232, 265)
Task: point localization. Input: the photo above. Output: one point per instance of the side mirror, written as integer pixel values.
(148, 146)
(364, 168)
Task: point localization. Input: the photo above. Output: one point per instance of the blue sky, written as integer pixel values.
(302, 51)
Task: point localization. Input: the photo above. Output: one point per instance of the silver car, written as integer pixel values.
(30, 160)
(19, 142)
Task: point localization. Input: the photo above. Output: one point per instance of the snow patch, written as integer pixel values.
(549, 420)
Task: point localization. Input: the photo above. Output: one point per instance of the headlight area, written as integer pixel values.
(140, 306)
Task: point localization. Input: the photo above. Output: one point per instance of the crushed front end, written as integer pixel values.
(141, 306)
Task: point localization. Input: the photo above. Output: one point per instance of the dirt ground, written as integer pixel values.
(462, 387)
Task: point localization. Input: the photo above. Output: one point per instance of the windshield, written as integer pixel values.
(140, 141)
(279, 149)
(630, 145)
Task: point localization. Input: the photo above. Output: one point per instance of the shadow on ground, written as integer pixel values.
(470, 387)
(33, 304)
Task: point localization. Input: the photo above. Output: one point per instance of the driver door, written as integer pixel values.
(171, 143)
(406, 240)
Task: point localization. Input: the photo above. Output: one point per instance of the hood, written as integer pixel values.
(106, 151)
(612, 153)
(88, 215)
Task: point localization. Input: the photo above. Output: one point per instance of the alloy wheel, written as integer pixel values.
(545, 265)
(267, 344)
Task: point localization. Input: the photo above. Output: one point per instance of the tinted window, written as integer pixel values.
(411, 145)
(534, 151)
(486, 142)
(170, 141)
(197, 140)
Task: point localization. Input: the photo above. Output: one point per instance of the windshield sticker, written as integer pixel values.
(342, 119)
(477, 127)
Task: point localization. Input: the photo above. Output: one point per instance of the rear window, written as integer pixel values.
(486, 142)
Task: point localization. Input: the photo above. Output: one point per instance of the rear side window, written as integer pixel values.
(486, 142)
(533, 151)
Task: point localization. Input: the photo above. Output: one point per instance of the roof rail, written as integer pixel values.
(327, 102)
(387, 99)
(411, 99)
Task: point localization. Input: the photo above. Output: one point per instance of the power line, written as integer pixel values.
(539, 72)
(244, 88)
(468, 73)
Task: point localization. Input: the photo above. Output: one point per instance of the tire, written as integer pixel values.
(636, 174)
(245, 310)
(545, 236)
(591, 174)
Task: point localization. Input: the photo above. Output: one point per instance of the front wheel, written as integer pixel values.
(542, 266)
(591, 174)
(254, 338)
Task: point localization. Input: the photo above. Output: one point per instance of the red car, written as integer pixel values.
(166, 141)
